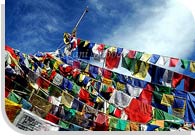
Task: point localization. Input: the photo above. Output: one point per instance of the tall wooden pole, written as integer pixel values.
(75, 28)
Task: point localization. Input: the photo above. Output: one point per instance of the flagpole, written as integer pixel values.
(75, 28)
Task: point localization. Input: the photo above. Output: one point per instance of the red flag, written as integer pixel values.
(173, 62)
(146, 94)
(138, 111)
(189, 84)
(11, 51)
(131, 54)
(176, 79)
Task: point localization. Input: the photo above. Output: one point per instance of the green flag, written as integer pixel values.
(138, 55)
(185, 63)
(64, 124)
(14, 97)
(121, 125)
(128, 63)
(111, 108)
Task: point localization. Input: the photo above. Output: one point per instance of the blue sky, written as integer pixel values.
(162, 27)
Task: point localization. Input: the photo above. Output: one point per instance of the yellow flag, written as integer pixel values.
(145, 57)
(141, 69)
(98, 99)
(12, 109)
(167, 100)
(56, 64)
(112, 49)
(120, 86)
(192, 67)
(67, 99)
(86, 43)
(87, 68)
(81, 77)
(127, 126)
(107, 81)
(159, 123)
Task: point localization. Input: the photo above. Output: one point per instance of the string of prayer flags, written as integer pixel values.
(80, 101)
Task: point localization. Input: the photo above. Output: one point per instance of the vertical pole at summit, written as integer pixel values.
(75, 28)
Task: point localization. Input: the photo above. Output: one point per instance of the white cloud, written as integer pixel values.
(102, 8)
(170, 30)
(51, 28)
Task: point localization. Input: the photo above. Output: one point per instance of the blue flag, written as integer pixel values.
(154, 58)
(190, 108)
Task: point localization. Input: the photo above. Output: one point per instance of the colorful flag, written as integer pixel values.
(128, 63)
(154, 58)
(176, 79)
(67, 99)
(167, 100)
(189, 84)
(173, 62)
(156, 74)
(141, 69)
(113, 57)
(190, 108)
(138, 111)
(138, 55)
(145, 57)
(162, 60)
(192, 67)
(167, 78)
(120, 99)
(11, 109)
(185, 63)
(131, 54)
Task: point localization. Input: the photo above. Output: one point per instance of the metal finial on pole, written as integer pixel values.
(75, 28)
